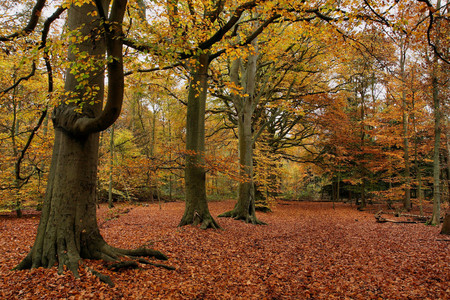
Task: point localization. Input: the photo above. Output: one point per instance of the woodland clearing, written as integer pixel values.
(307, 250)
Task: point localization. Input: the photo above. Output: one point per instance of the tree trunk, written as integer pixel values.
(245, 107)
(68, 229)
(405, 120)
(435, 218)
(196, 209)
(446, 225)
(245, 206)
(111, 168)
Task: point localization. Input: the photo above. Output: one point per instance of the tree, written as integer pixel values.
(437, 110)
(68, 229)
(245, 104)
(197, 211)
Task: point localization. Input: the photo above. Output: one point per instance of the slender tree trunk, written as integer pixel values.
(447, 139)
(405, 120)
(435, 218)
(416, 158)
(111, 168)
(196, 209)
(363, 137)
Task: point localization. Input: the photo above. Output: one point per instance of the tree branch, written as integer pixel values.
(35, 14)
(114, 42)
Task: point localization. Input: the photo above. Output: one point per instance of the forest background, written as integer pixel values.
(347, 100)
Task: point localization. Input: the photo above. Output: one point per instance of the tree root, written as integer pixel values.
(144, 261)
(247, 218)
(102, 277)
(70, 258)
(128, 264)
(206, 221)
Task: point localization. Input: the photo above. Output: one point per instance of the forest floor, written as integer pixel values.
(307, 250)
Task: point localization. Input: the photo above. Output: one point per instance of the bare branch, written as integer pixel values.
(35, 14)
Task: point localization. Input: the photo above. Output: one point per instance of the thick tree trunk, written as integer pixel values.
(68, 228)
(196, 209)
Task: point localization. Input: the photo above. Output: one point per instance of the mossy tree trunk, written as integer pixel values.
(68, 229)
(196, 209)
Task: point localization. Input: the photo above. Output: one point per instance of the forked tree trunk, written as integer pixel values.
(245, 107)
(196, 209)
(68, 229)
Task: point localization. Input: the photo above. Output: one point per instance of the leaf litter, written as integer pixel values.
(308, 250)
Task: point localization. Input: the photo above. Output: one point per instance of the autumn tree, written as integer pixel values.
(208, 26)
(68, 229)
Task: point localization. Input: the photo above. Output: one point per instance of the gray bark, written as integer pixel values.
(245, 106)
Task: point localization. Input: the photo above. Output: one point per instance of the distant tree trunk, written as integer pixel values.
(416, 160)
(405, 120)
(446, 225)
(448, 162)
(363, 137)
(196, 209)
(68, 229)
(435, 218)
(111, 168)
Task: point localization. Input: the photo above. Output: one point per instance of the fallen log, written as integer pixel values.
(381, 219)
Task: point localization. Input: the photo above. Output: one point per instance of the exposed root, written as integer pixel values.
(228, 214)
(247, 218)
(209, 223)
(142, 251)
(144, 261)
(128, 264)
(264, 209)
(68, 257)
(206, 221)
(102, 277)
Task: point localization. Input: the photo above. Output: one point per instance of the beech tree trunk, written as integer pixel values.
(196, 209)
(245, 107)
(68, 229)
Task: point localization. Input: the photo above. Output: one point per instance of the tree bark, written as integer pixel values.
(245, 107)
(111, 168)
(435, 218)
(405, 120)
(446, 225)
(68, 229)
(196, 209)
